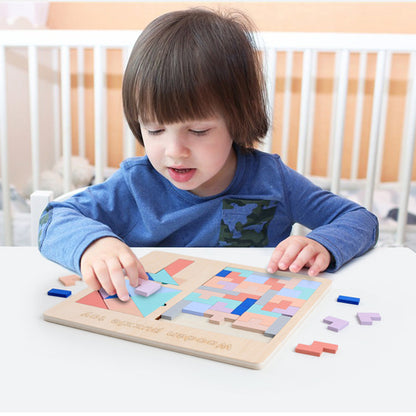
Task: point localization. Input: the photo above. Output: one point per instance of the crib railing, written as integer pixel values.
(290, 62)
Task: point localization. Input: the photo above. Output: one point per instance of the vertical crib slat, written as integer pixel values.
(340, 120)
(129, 141)
(383, 117)
(286, 106)
(269, 65)
(375, 129)
(56, 107)
(304, 110)
(34, 113)
(358, 116)
(81, 101)
(406, 119)
(7, 213)
(408, 153)
(99, 116)
(66, 116)
(311, 115)
(335, 89)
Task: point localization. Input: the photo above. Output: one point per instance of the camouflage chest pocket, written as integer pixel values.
(245, 222)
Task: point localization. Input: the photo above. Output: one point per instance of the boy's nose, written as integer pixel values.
(177, 148)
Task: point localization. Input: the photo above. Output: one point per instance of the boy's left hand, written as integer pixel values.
(296, 252)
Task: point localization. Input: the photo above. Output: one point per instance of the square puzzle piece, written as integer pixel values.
(147, 287)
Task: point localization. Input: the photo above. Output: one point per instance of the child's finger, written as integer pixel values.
(290, 254)
(304, 256)
(321, 263)
(274, 260)
(117, 278)
(129, 263)
(88, 276)
(103, 276)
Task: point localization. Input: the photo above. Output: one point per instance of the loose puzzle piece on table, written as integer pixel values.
(197, 298)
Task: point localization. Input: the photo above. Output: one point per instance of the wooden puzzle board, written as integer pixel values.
(212, 309)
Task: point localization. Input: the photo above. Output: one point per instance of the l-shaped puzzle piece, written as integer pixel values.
(335, 324)
(368, 318)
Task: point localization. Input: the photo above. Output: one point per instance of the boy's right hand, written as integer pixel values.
(103, 264)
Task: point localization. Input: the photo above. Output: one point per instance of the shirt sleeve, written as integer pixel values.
(100, 211)
(344, 228)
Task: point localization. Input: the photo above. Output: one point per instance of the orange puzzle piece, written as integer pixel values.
(316, 348)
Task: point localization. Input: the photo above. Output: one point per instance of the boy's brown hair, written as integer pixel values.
(196, 63)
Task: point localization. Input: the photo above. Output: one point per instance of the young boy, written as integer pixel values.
(193, 95)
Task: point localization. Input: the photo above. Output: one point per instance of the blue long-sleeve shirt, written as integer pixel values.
(259, 207)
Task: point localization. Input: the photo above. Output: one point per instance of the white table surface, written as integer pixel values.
(49, 367)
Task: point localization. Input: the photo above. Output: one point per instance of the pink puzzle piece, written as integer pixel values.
(147, 287)
(367, 318)
(217, 317)
(336, 324)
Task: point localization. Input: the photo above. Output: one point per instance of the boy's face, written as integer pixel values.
(195, 156)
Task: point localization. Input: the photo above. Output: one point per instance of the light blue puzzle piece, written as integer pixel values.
(256, 278)
(306, 293)
(196, 308)
(163, 277)
(310, 284)
(290, 293)
(147, 305)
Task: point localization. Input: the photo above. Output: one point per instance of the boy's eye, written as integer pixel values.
(155, 132)
(199, 132)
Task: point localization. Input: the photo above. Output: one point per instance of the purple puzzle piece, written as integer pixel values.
(147, 287)
(336, 324)
(290, 311)
(367, 318)
(220, 307)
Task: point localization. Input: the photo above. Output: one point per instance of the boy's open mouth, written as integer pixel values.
(181, 174)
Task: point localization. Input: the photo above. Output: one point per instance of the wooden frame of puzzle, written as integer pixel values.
(212, 309)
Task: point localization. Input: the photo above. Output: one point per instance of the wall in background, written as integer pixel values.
(364, 17)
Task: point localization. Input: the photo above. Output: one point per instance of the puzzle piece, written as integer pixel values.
(336, 324)
(277, 326)
(177, 266)
(348, 299)
(290, 311)
(252, 288)
(59, 293)
(163, 276)
(147, 305)
(223, 273)
(129, 307)
(241, 296)
(244, 306)
(69, 280)
(316, 348)
(147, 287)
(93, 299)
(196, 308)
(217, 317)
(368, 318)
(221, 307)
(208, 294)
(175, 310)
(254, 322)
(298, 303)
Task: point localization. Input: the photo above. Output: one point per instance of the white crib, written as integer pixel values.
(294, 49)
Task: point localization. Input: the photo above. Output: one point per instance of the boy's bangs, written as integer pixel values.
(177, 90)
